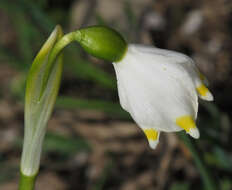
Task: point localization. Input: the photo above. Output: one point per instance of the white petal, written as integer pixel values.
(122, 94)
(158, 87)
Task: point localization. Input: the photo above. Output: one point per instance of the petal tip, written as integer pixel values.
(204, 93)
(153, 144)
(152, 137)
(194, 132)
(209, 96)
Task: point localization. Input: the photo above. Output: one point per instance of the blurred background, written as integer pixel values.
(92, 144)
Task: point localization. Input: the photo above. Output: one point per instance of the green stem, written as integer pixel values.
(27, 182)
(56, 50)
(204, 172)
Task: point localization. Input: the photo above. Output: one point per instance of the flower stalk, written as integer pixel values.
(27, 182)
(99, 41)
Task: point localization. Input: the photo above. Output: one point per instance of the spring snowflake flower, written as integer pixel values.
(160, 89)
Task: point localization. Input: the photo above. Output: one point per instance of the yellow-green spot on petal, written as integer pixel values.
(186, 122)
(202, 90)
(151, 134)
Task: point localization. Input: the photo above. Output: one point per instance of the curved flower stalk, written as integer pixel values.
(39, 102)
(160, 89)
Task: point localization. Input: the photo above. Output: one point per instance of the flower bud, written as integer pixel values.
(102, 42)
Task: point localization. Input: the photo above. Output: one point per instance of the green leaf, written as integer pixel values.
(180, 186)
(225, 184)
(65, 145)
(39, 101)
(86, 70)
(107, 107)
(219, 158)
(206, 175)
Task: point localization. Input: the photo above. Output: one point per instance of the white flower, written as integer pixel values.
(160, 89)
